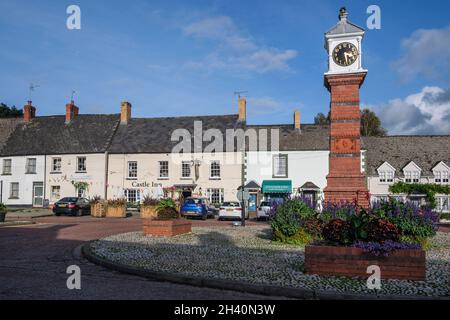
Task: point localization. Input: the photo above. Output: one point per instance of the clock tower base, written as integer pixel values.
(345, 181)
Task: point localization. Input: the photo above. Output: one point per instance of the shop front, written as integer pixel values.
(276, 190)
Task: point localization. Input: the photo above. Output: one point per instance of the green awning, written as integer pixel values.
(277, 186)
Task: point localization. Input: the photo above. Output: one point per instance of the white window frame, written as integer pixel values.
(56, 165)
(276, 168)
(163, 167)
(30, 165)
(213, 192)
(82, 169)
(186, 170)
(13, 190)
(412, 176)
(4, 171)
(215, 170)
(55, 196)
(386, 176)
(443, 203)
(132, 170)
(136, 197)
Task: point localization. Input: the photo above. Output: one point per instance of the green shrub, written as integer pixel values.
(301, 237)
(167, 203)
(167, 213)
(289, 215)
(445, 215)
(2, 208)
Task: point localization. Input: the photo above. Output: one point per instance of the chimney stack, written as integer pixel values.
(29, 112)
(297, 119)
(71, 111)
(125, 112)
(242, 109)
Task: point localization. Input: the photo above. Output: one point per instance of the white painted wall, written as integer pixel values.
(18, 167)
(303, 166)
(94, 176)
(148, 172)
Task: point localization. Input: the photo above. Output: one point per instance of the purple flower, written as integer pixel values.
(384, 248)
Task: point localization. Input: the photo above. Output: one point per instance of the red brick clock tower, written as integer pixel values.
(345, 181)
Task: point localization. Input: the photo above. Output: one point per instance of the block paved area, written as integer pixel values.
(34, 259)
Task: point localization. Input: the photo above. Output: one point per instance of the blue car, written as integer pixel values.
(196, 207)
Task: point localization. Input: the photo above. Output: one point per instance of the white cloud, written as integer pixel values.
(234, 50)
(271, 106)
(425, 53)
(426, 112)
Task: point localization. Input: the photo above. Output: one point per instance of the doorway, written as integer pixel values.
(38, 194)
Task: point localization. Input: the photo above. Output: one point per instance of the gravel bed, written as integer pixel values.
(247, 254)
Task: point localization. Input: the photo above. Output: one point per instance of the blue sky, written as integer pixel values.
(173, 58)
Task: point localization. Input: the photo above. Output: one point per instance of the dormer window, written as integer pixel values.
(441, 173)
(412, 173)
(386, 173)
(386, 176)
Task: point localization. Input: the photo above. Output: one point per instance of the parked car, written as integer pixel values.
(263, 211)
(197, 207)
(231, 210)
(74, 206)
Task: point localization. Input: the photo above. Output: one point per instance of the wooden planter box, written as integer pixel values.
(166, 228)
(116, 212)
(98, 210)
(353, 262)
(149, 212)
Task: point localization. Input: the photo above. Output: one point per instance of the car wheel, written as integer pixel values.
(57, 214)
(79, 213)
(205, 217)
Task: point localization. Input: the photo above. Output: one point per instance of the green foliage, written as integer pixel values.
(2, 208)
(167, 213)
(166, 203)
(7, 112)
(371, 124)
(80, 185)
(289, 215)
(429, 189)
(413, 227)
(322, 119)
(445, 215)
(338, 231)
(301, 237)
(313, 227)
(359, 223)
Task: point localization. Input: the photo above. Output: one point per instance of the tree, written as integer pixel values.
(9, 112)
(370, 123)
(322, 119)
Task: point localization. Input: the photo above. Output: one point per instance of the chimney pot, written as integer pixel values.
(242, 109)
(71, 111)
(125, 112)
(29, 112)
(297, 119)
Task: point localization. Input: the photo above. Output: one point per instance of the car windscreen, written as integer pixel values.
(68, 200)
(265, 204)
(231, 204)
(192, 201)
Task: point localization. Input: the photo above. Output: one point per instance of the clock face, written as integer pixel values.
(345, 54)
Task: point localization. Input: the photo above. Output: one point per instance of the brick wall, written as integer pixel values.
(353, 262)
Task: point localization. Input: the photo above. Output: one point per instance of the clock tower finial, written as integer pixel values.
(343, 14)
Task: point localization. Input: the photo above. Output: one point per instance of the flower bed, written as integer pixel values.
(407, 264)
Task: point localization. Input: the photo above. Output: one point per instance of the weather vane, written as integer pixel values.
(73, 94)
(31, 88)
(239, 93)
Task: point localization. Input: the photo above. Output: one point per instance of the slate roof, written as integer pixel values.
(398, 151)
(7, 126)
(310, 137)
(153, 135)
(343, 27)
(51, 135)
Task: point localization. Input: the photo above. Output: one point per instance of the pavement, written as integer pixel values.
(34, 260)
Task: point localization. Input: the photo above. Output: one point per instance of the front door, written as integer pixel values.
(38, 194)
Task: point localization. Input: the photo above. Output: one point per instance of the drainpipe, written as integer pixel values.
(106, 174)
(45, 180)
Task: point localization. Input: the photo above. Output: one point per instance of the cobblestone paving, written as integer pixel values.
(247, 254)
